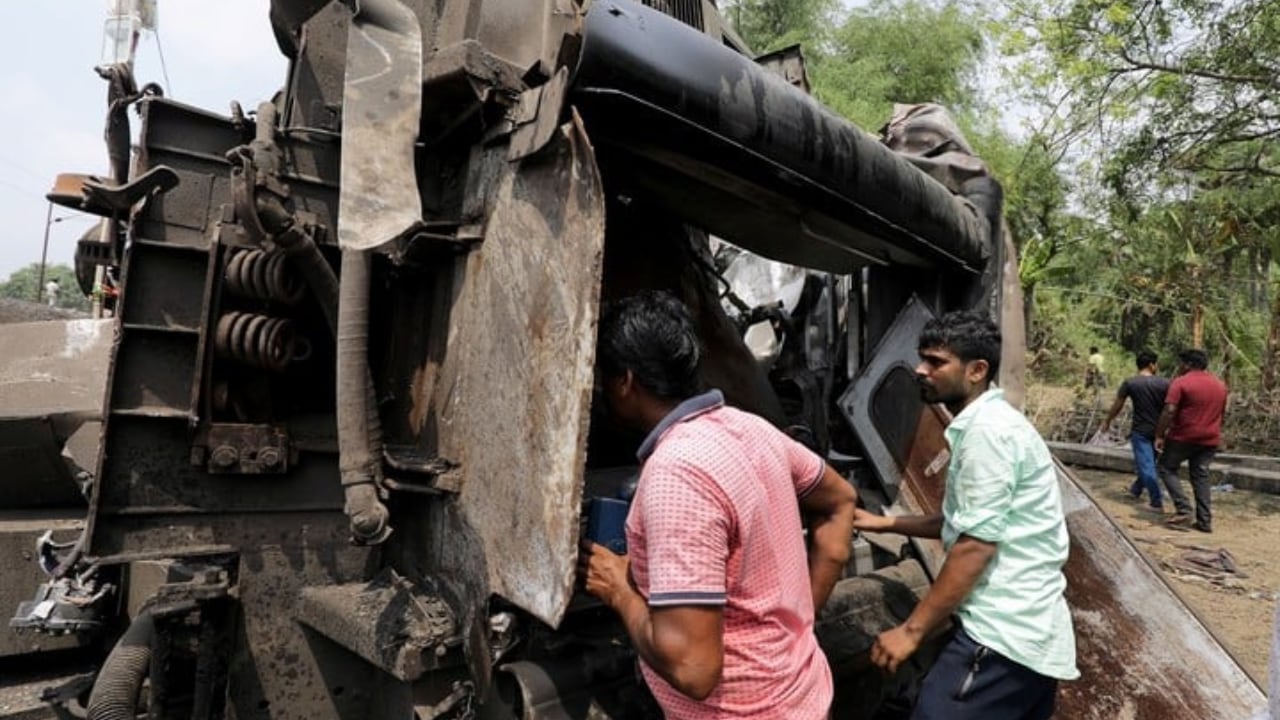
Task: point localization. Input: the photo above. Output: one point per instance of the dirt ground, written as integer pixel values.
(1237, 607)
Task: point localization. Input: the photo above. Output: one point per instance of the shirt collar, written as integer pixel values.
(687, 410)
(965, 417)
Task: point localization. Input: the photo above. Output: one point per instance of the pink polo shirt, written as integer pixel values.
(716, 521)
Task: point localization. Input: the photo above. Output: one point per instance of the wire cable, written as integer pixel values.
(164, 69)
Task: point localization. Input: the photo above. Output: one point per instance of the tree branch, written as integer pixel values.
(1195, 72)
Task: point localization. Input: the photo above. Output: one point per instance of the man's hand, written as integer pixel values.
(1159, 444)
(893, 647)
(605, 574)
(924, 526)
(871, 522)
(682, 643)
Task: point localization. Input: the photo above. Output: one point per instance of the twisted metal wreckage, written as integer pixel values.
(348, 428)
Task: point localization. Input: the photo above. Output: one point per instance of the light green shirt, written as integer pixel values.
(1002, 488)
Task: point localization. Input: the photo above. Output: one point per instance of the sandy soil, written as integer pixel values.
(1238, 608)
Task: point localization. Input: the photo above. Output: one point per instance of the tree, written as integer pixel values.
(876, 57)
(1169, 113)
(1185, 85)
(22, 284)
(768, 25)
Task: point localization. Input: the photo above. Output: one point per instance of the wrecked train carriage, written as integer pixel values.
(347, 434)
(367, 314)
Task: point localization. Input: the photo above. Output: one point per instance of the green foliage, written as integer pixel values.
(768, 25)
(1167, 85)
(22, 285)
(1175, 105)
(900, 52)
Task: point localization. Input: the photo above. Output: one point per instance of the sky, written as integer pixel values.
(55, 104)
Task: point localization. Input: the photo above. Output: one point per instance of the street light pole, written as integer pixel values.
(44, 254)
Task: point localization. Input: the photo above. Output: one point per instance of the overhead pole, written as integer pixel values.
(44, 253)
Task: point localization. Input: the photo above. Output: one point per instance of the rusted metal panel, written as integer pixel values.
(52, 380)
(514, 396)
(1143, 654)
(279, 669)
(381, 107)
(54, 368)
(537, 116)
(788, 64)
(387, 621)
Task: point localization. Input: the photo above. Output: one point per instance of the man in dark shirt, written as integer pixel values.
(1147, 391)
(1190, 429)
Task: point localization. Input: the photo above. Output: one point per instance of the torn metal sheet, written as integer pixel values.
(387, 621)
(1142, 652)
(381, 107)
(53, 378)
(515, 387)
(537, 116)
(55, 368)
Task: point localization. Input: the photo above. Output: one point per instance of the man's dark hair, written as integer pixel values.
(1145, 358)
(1093, 349)
(1194, 358)
(651, 334)
(969, 334)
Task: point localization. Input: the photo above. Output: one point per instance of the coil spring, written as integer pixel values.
(263, 275)
(258, 340)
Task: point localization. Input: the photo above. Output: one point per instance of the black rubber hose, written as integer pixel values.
(301, 248)
(359, 445)
(115, 691)
(359, 429)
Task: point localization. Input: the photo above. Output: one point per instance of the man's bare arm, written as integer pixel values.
(1116, 407)
(683, 643)
(965, 564)
(830, 508)
(923, 526)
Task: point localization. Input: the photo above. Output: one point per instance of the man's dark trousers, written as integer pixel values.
(972, 682)
(1198, 458)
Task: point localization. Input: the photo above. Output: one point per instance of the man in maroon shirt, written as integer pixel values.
(1190, 429)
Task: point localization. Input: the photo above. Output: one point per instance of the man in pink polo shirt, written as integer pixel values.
(718, 593)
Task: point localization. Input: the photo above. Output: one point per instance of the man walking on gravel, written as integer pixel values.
(1190, 430)
(1147, 391)
(1005, 533)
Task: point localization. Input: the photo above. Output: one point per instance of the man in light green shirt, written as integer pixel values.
(1006, 539)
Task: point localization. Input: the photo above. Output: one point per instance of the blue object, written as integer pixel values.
(606, 523)
(1144, 462)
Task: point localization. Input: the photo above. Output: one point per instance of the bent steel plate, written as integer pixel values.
(1142, 653)
(381, 106)
(515, 388)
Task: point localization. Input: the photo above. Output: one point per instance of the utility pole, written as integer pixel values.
(44, 253)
